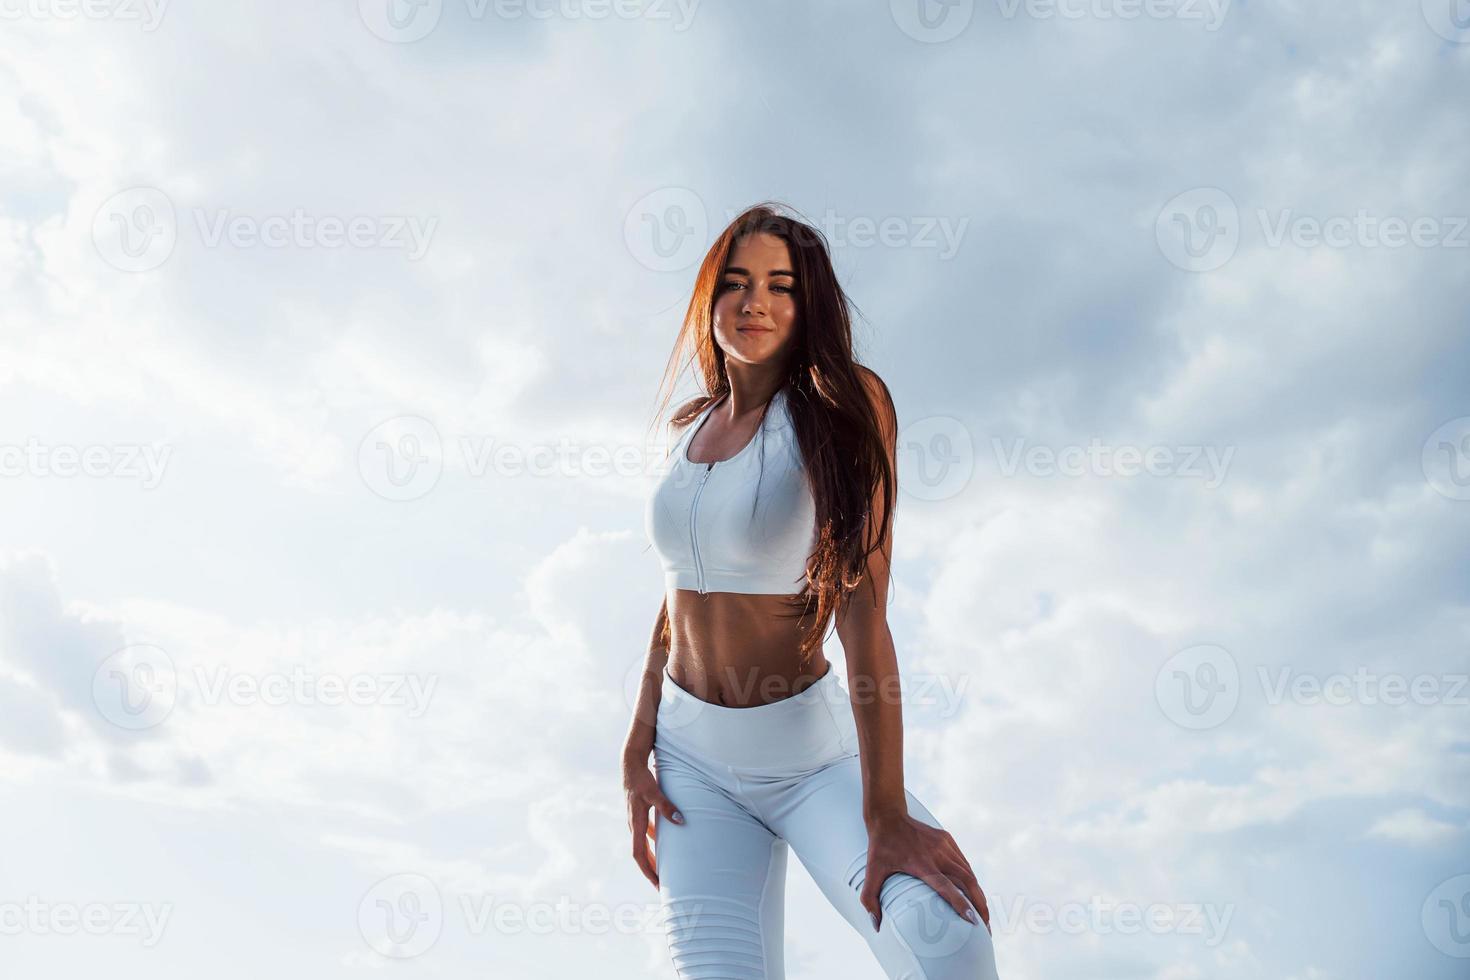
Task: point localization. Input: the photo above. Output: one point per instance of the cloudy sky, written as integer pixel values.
(329, 343)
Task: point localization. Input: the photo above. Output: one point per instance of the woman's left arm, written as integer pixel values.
(897, 842)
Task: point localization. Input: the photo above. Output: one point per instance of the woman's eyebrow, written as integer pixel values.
(738, 270)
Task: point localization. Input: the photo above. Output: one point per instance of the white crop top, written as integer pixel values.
(744, 524)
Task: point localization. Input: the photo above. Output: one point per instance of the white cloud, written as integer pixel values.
(1414, 827)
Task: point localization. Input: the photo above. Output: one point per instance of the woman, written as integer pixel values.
(773, 518)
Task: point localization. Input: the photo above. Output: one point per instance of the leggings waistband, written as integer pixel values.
(796, 732)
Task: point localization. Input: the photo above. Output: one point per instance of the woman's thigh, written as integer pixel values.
(722, 881)
(922, 937)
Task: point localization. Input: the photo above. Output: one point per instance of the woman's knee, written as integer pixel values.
(942, 944)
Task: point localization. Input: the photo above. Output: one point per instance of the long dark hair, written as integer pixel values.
(837, 429)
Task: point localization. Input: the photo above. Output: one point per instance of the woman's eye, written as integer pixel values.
(732, 284)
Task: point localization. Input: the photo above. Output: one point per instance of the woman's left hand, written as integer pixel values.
(901, 843)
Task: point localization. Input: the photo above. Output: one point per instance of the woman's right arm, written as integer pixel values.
(645, 713)
(640, 785)
(650, 689)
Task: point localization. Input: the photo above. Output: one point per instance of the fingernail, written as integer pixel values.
(874, 917)
(970, 914)
(678, 817)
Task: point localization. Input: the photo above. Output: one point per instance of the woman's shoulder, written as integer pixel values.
(879, 396)
(877, 388)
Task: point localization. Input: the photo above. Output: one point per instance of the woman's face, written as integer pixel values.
(755, 307)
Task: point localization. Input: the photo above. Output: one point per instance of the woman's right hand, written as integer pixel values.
(642, 790)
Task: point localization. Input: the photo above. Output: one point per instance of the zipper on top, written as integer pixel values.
(694, 529)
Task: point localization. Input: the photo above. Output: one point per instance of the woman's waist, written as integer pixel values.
(807, 723)
(739, 680)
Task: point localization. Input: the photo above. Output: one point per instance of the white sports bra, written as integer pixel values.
(744, 524)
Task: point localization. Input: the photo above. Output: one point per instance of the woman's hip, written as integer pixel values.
(793, 734)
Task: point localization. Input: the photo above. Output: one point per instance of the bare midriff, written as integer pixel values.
(739, 650)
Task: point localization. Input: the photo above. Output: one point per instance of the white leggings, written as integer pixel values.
(750, 781)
